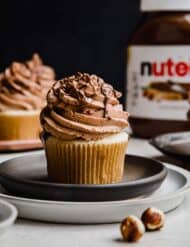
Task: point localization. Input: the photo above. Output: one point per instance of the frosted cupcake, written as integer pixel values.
(23, 89)
(83, 131)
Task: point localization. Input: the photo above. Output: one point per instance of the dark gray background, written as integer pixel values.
(88, 36)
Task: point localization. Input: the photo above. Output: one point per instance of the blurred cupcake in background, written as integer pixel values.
(23, 89)
(84, 135)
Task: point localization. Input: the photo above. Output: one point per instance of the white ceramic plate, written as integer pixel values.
(8, 214)
(168, 197)
(175, 144)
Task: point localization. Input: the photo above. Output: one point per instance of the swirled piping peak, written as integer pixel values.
(24, 86)
(83, 106)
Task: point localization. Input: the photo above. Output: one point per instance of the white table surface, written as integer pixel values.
(30, 233)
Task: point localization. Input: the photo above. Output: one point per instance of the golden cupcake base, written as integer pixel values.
(86, 162)
(19, 125)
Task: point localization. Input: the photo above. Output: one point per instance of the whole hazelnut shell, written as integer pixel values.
(132, 229)
(153, 219)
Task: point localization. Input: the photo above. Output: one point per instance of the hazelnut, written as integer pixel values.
(153, 219)
(132, 229)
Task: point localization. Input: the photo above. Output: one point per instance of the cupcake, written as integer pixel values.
(23, 89)
(83, 135)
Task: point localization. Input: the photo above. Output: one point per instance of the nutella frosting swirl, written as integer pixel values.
(23, 86)
(84, 107)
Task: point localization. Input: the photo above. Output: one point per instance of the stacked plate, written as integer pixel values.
(146, 183)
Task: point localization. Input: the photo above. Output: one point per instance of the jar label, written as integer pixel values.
(158, 82)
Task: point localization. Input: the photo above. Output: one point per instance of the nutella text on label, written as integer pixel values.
(168, 67)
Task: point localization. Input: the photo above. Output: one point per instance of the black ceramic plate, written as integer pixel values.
(173, 144)
(27, 177)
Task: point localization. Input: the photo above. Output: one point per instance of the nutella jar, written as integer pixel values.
(158, 70)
